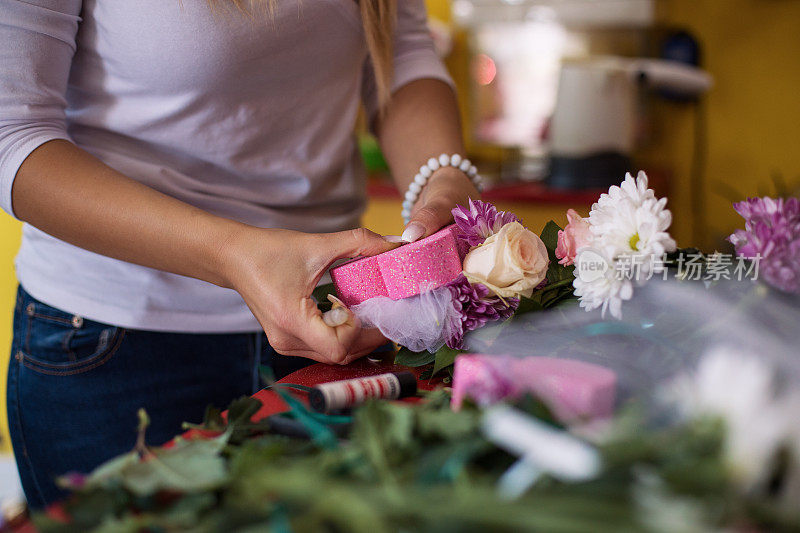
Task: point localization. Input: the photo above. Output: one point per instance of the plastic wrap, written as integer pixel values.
(665, 330)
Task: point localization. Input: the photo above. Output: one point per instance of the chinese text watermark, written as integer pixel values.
(591, 265)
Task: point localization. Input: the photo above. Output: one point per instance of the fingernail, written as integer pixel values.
(336, 317)
(393, 238)
(336, 301)
(413, 232)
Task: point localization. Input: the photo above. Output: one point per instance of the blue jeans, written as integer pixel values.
(75, 385)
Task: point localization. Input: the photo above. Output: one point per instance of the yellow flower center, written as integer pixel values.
(634, 241)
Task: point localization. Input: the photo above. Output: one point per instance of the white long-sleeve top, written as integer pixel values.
(247, 117)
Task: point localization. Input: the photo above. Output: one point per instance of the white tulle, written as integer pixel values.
(422, 322)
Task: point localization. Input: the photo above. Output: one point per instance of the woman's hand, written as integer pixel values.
(275, 271)
(446, 188)
(422, 121)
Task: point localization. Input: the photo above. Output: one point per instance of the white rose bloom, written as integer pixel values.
(512, 262)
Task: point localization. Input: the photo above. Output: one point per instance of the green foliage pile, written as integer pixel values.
(404, 467)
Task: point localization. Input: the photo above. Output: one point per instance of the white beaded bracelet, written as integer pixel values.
(427, 170)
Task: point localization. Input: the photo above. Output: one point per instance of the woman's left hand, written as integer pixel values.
(446, 188)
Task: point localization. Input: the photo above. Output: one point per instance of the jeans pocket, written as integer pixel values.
(59, 343)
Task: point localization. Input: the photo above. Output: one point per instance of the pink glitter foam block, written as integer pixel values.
(405, 271)
(358, 280)
(426, 264)
(484, 378)
(574, 390)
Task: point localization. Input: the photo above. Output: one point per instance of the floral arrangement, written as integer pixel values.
(506, 264)
(597, 261)
(503, 262)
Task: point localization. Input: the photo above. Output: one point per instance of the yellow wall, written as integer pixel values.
(9, 242)
(751, 47)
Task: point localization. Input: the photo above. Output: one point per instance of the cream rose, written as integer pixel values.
(512, 262)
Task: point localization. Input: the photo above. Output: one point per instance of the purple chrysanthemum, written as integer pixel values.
(476, 305)
(772, 232)
(480, 221)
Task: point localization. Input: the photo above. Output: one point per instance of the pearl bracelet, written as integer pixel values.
(427, 170)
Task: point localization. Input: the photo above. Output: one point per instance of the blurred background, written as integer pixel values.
(560, 97)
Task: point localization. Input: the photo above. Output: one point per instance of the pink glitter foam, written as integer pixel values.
(425, 264)
(574, 390)
(358, 280)
(402, 272)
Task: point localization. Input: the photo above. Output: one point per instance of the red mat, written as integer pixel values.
(322, 373)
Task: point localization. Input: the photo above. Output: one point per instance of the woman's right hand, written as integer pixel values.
(275, 271)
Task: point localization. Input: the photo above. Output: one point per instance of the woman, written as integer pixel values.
(187, 172)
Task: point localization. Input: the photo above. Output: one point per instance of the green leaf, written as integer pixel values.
(565, 302)
(111, 471)
(406, 357)
(126, 524)
(446, 424)
(242, 409)
(190, 466)
(384, 431)
(528, 305)
(184, 513)
(557, 273)
(537, 408)
(444, 357)
(213, 419)
(549, 237)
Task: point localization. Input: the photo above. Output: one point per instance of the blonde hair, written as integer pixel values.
(378, 20)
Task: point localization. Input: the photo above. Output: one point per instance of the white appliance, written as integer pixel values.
(593, 128)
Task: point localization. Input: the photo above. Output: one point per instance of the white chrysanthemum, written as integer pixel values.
(631, 189)
(605, 291)
(629, 221)
(629, 225)
(741, 390)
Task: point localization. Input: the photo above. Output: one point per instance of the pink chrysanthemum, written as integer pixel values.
(480, 221)
(772, 232)
(476, 305)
